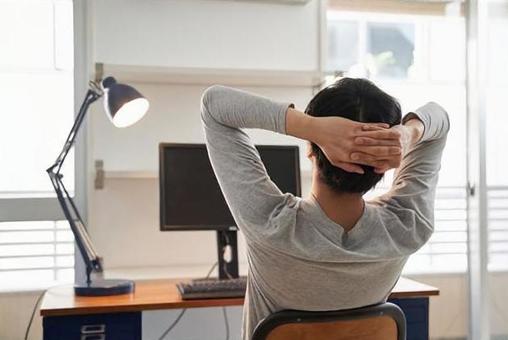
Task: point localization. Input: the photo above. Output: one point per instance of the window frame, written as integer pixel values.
(83, 40)
(48, 208)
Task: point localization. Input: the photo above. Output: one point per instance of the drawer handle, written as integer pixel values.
(93, 337)
(93, 329)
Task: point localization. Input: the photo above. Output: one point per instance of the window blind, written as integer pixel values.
(35, 254)
(498, 227)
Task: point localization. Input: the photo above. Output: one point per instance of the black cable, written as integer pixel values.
(170, 328)
(173, 325)
(33, 314)
(211, 270)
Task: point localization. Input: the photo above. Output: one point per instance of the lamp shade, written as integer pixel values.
(123, 104)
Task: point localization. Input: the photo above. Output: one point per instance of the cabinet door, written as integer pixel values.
(417, 317)
(118, 326)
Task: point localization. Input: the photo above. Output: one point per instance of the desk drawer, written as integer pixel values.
(118, 326)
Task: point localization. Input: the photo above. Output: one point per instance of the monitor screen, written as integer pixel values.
(190, 196)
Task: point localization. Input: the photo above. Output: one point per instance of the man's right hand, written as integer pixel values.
(410, 133)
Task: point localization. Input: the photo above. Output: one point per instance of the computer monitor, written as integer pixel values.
(190, 196)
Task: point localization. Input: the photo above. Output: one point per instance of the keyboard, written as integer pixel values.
(213, 288)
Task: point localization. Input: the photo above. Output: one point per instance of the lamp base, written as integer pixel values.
(104, 288)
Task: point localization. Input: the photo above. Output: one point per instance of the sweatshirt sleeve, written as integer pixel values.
(411, 197)
(250, 194)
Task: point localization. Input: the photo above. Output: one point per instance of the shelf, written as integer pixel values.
(306, 175)
(209, 76)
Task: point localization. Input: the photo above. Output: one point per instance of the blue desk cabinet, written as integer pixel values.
(115, 326)
(416, 311)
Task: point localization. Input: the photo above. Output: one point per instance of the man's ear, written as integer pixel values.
(310, 153)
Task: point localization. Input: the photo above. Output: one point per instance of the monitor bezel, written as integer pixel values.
(171, 227)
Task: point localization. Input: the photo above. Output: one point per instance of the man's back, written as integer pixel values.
(298, 257)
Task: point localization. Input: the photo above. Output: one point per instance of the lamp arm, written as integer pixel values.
(90, 256)
(91, 96)
(69, 208)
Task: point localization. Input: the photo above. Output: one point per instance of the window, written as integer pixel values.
(36, 81)
(416, 58)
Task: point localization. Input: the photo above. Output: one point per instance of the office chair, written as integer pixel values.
(384, 321)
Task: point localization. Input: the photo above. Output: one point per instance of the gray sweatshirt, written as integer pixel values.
(298, 258)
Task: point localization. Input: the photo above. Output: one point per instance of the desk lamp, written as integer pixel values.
(124, 106)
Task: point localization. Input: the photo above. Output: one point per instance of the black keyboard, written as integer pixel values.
(213, 288)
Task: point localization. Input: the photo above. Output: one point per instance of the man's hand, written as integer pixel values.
(347, 143)
(410, 133)
(338, 139)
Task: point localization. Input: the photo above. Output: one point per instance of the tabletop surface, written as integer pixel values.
(163, 294)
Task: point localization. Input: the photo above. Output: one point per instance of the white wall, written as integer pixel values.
(207, 33)
(174, 116)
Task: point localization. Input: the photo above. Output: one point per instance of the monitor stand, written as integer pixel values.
(227, 253)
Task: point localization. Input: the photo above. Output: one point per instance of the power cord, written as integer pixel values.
(27, 332)
(173, 325)
(170, 328)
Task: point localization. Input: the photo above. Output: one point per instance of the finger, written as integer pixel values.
(379, 152)
(375, 126)
(378, 142)
(381, 134)
(350, 167)
(366, 159)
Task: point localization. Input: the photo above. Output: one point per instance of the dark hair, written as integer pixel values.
(359, 100)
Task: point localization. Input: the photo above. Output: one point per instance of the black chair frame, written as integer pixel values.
(274, 320)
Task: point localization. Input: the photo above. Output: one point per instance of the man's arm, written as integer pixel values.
(251, 196)
(412, 195)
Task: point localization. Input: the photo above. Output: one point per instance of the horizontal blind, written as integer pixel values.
(35, 254)
(498, 227)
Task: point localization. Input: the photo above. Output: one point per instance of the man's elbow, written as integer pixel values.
(208, 101)
(439, 110)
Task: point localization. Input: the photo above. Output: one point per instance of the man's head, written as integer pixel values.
(359, 100)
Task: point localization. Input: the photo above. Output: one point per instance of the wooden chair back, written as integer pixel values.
(379, 322)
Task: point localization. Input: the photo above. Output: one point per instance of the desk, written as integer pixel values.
(69, 317)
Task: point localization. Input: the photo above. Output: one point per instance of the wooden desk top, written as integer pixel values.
(163, 294)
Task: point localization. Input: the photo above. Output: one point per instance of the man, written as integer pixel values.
(331, 250)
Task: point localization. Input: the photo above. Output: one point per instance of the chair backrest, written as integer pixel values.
(384, 321)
